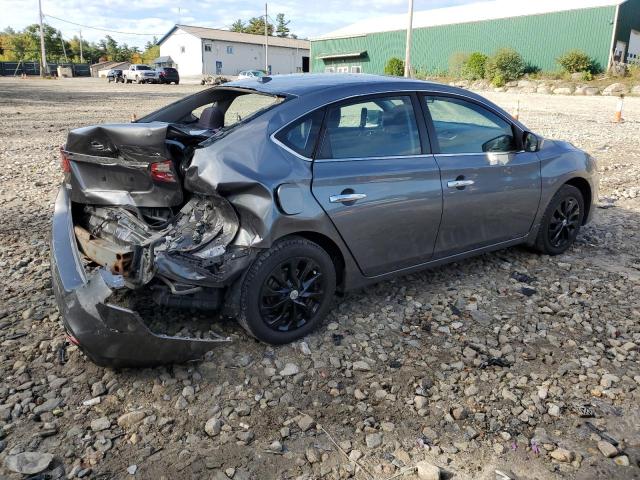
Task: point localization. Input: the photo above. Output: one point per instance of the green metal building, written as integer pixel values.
(541, 31)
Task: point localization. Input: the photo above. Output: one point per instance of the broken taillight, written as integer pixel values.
(64, 160)
(163, 171)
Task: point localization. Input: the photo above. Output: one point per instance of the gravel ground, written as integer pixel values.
(510, 361)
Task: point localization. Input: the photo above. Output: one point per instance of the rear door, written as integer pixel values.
(375, 177)
(491, 187)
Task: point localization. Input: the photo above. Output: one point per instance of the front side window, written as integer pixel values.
(301, 136)
(380, 127)
(465, 127)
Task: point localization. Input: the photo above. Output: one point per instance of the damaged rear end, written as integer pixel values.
(127, 237)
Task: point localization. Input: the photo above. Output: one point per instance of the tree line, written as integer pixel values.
(255, 26)
(24, 45)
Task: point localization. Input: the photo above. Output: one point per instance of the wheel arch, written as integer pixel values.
(587, 195)
(329, 246)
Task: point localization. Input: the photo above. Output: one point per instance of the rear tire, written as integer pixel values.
(287, 291)
(561, 221)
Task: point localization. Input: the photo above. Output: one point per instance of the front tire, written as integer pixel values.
(287, 291)
(561, 221)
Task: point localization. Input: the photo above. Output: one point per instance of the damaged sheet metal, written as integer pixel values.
(114, 257)
(235, 167)
(110, 165)
(189, 249)
(111, 335)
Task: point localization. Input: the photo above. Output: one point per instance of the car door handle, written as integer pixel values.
(347, 198)
(460, 183)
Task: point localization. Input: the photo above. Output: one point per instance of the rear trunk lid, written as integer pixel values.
(122, 164)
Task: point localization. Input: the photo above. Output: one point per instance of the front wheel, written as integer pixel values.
(287, 291)
(561, 221)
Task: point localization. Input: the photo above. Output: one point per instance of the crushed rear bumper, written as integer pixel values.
(110, 335)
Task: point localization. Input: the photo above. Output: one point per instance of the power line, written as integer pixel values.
(103, 29)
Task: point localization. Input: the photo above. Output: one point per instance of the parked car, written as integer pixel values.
(251, 74)
(115, 75)
(265, 199)
(140, 74)
(168, 75)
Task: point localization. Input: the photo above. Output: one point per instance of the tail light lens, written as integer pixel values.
(64, 160)
(163, 171)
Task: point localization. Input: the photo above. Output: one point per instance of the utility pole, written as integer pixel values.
(64, 50)
(407, 53)
(266, 40)
(44, 68)
(81, 57)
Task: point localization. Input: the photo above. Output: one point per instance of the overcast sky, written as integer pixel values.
(309, 18)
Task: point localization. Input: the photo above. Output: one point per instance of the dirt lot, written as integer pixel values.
(510, 361)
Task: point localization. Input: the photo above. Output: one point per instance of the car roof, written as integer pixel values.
(301, 84)
(321, 88)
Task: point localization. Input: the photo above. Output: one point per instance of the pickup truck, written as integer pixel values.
(140, 74)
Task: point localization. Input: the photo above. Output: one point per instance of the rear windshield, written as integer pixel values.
(241, 107)
(247, 105)
(170, 70)
(142, 67)
(223, 109)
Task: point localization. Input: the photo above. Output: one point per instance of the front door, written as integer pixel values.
(378, 185)
(491, 188)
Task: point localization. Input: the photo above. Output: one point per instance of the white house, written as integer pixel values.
(197, 51)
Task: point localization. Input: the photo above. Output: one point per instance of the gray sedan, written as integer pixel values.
(263, 198)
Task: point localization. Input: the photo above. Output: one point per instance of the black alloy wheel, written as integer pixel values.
(561, 222)
(564, 223)
(287, 291)
(292, 294)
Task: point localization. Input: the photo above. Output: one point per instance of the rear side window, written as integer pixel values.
(301, 136)
(465, 127)
(375, 128)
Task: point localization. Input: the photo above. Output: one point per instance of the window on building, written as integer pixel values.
(182, 49)
(207, 47)
(301, 135)
(342, 69)
(356, 69)
(465, 127)
(329, 70)
(381, 127)
(230, 49)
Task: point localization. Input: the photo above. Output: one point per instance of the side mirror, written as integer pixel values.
(531, 142)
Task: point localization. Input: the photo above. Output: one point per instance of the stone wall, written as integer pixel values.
(557, 87)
